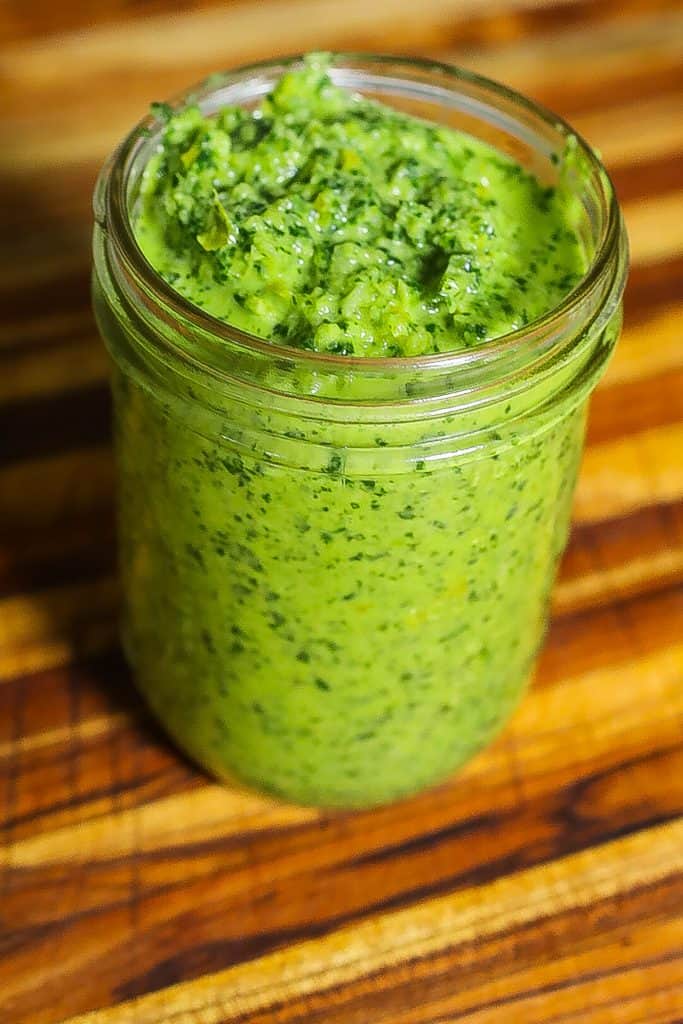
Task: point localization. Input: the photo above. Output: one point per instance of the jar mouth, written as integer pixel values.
(476, 97)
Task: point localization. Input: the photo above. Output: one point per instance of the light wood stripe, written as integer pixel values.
(608, 702)
(647, 349)
(93, 728)
(207, 813)
(409, 936)
(623, 475)
(655, 228)
(52, 627)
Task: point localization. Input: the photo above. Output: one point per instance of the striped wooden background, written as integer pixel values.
(546, 883)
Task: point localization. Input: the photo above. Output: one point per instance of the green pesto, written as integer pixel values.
(322, 220)
(332, 638)
(328, 639)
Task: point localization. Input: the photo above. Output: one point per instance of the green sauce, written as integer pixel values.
(331, 638)
(324, 221)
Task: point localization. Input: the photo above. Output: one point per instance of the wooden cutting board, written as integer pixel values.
(546, 882)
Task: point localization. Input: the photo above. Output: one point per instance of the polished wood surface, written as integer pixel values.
(545, 884)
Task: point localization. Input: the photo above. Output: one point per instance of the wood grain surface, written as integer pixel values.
(545, 883)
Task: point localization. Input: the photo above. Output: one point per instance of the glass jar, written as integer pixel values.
(336, 570)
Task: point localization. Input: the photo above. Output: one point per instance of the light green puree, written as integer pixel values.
(332, 639)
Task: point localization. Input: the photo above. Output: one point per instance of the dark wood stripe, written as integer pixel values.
(636, 405)
(161, 782)
(578, 826)
(33, 333)
(652, 287)
(56, 196)
(629, 534)
(78, 552)
(626, 627)
(650, 177)
(62, 294)
(630, 86)
(551, 19)
(601, 548)
(47, 425)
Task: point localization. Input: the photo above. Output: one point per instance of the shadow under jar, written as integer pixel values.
(336, 570)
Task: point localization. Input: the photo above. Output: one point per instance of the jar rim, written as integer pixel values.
(112, 212)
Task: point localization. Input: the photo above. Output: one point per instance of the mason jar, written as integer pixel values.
(336, 570)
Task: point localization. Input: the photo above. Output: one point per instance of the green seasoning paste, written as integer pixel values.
(324, 221)
(336, 637)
